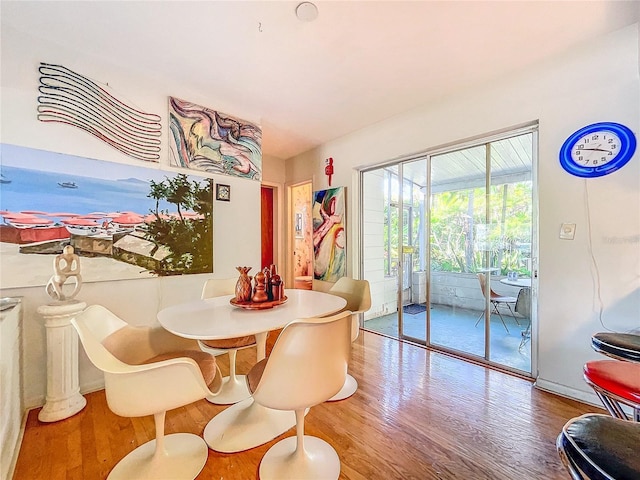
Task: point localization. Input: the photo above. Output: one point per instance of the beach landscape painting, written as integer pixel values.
(124, 221)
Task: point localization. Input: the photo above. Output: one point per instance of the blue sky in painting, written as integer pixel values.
(102, 186)
(16, 156)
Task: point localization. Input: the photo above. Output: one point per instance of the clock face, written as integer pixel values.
(597, 149)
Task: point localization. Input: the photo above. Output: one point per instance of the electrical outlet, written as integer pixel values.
(568, 231)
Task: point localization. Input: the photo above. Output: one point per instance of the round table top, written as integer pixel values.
(216, 319)
(520, 282)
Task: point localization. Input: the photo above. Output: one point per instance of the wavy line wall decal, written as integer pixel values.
(68, 97)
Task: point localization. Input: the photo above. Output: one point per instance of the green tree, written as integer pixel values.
(460, 235)
(189, 238)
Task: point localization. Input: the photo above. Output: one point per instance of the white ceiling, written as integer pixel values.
(307, 83)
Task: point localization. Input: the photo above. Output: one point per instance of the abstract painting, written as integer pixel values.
(203, 139)
(70, 98)
(123, 221)
(329, 235)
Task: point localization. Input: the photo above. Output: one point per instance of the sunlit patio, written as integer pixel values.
(455, 328)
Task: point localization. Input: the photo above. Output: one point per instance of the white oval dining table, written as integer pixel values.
(245, 424)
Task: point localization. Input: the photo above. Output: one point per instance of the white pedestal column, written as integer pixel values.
(63, 388)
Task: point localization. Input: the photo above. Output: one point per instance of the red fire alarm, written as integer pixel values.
(328, 170)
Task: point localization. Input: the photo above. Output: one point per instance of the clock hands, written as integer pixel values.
(597, 149)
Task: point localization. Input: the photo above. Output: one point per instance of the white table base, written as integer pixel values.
(349, 388)
(246, 425)
(232, 391)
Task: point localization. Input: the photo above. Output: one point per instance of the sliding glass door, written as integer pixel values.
(458, 231)
(448, 246)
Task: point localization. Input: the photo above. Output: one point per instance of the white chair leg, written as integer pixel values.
(159, 450)
(179, 456)
(302, 456)
(349, 388)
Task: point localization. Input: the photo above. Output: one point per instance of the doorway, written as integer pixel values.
(438, 225)
(301, 238)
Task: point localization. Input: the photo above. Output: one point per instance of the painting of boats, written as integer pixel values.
(4, 179)
(120, 217)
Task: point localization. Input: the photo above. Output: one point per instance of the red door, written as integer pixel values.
(266, 195)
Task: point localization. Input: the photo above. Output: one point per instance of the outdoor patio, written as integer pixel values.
(455, 328)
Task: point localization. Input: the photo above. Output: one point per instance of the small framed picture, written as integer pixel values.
(223, 192)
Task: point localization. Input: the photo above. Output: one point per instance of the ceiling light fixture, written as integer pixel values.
(306, 11)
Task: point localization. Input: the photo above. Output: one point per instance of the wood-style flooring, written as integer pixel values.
(417, 414)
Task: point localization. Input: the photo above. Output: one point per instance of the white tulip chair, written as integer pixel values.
(357, 293)
(307, 366)
(148, 371)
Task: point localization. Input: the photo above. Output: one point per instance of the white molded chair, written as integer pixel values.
(358, 296)
(321, 285)
(307, 366)
(234, 387)
(148, 371)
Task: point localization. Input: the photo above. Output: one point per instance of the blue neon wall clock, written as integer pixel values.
(597, 149)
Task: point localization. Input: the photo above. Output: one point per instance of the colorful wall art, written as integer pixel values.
(329, 235)
(123, 221)
(204, 139)
(68, 97)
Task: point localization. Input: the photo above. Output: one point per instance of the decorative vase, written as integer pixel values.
(260, 295)
(243, 285)
(267, 283)
(277, 288)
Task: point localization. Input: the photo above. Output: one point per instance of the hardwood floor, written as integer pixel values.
(417, 414)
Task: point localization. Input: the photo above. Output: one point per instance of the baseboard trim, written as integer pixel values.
(92, 387)
(589, 398)
(37, 402)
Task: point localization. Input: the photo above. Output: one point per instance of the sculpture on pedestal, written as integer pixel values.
(65, 266)
(63, 388)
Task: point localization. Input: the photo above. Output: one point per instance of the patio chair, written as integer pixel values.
(496, 300)
(523, 307)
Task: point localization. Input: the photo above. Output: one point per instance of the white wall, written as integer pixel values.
(236, 224)
(595, 82)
